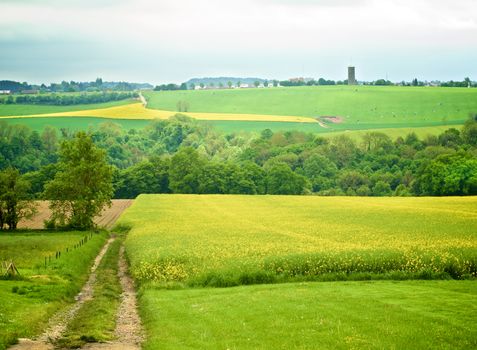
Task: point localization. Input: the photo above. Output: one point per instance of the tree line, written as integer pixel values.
(73, 86)
(77, 192)
(181, 155)
(310, 82)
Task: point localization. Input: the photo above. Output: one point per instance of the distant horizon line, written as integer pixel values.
(306, 78)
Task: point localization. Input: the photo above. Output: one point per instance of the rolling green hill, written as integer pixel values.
(361, 107)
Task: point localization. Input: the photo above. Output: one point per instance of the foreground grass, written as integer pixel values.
(219, 240)
(27, 304)
(361, 106)
(96, 320)
(334, 315)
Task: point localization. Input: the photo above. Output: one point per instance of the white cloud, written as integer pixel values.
(256, 31)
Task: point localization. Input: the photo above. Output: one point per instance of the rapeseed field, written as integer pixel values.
(217, 240)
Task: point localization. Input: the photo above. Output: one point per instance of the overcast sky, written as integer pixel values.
(174, 40)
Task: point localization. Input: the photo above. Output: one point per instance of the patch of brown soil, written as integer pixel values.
(107, 218)
(332, 119)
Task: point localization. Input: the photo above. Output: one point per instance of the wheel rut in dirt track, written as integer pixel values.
(128, 331)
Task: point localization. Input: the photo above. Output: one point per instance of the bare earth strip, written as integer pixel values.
(107, 218)
(59, 321)
(128, 331)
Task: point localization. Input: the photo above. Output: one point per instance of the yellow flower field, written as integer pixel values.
(137, 111)
(222, 240)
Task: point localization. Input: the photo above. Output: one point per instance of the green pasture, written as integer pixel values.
(21, 109)
(75, 123)
(362, 107)
(391, 130)
(85, 123)
(329, 315)
(30, 299)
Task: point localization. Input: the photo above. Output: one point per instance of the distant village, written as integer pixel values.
(8, 87)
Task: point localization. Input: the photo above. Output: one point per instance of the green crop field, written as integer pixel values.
(362, 107)
(29, 300)
(21, 109)
(179, 244)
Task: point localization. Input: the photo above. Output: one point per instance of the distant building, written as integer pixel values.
(297, 80)
(351, 76)
(30, 92)
(5, 92)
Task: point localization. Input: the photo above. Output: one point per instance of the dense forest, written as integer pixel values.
(67, 99)
(181, 155)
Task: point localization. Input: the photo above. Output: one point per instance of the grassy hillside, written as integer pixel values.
(214, 240)
(361, 106)
(335, 315)
(28, 302)
(252, 110)
(20, 109)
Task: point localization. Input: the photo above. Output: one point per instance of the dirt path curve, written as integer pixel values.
(59, 321)
(143, 100)
(128, 331)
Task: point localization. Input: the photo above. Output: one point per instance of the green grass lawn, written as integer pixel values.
(363, 107)
(328, 315)
(28, 302)
(21, 109)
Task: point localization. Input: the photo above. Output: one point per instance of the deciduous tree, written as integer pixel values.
(82, 187)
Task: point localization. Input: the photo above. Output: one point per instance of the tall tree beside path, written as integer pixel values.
(14, 199)
(82, 186)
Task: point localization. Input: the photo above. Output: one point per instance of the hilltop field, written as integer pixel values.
(321, 109)
(184, 249)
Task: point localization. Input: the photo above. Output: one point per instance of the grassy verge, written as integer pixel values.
(334, 315)
(27, 304)
(96, 320)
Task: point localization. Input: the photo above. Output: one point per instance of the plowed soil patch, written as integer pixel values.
(107, 218)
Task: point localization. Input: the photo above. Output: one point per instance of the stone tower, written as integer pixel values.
(351, 76)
